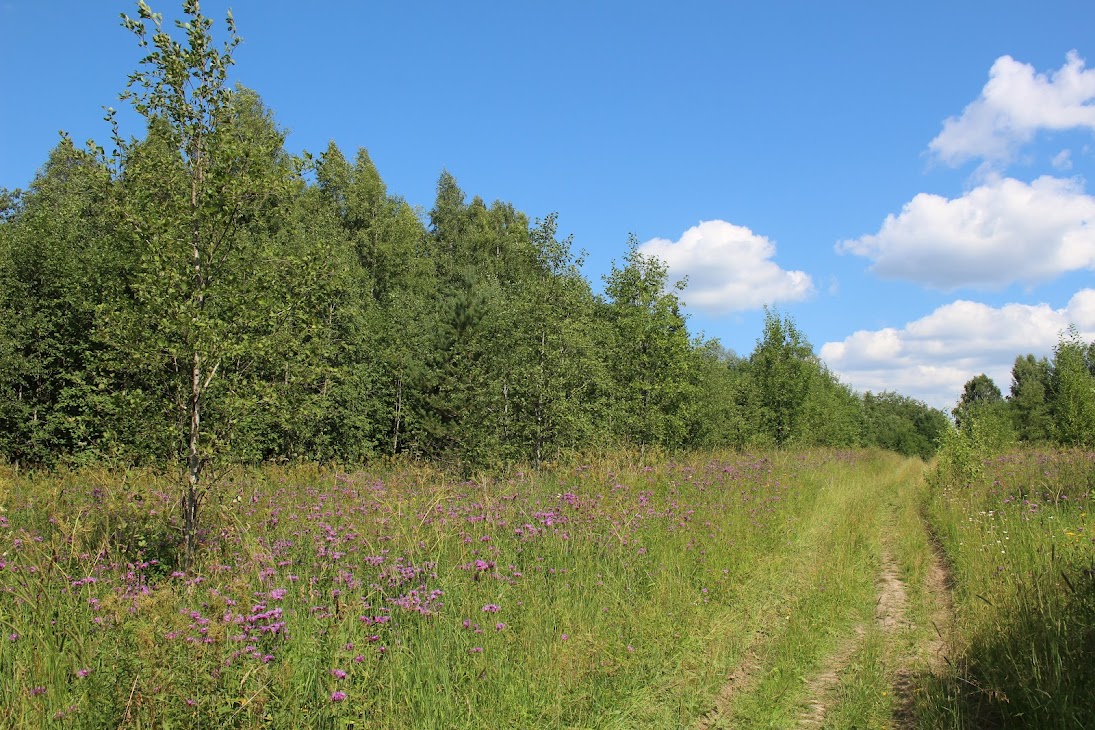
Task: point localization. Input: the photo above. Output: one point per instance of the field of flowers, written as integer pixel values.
(605, 595)
(1019, 534)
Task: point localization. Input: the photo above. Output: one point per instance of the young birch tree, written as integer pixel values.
(190, 195)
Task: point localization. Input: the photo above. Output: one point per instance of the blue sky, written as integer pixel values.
(908, 181)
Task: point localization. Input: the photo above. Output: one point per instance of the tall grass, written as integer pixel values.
(615, 594)
(1018, 532)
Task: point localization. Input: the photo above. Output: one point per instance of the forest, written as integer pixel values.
(201, 294)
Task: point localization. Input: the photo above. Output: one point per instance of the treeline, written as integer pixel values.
(1050, 401)
(200, 294)
(359, 330)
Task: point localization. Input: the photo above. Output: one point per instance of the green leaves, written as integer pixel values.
(650, 358)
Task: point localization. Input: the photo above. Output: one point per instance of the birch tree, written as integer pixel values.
(191, 194)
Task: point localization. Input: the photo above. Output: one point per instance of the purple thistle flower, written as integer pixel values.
(338, 674)
(338, 696)
(491, 608)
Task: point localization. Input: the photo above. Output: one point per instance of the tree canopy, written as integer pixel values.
(203, 296)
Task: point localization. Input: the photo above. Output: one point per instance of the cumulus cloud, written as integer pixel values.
(1062, 160)
(729, 268)
(933, 357)
(1014, 105)
(1002, 232)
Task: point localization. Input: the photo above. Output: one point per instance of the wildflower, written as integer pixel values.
(475, 650)
(491, 608)
(277, 594)
(338, 674)
(338, 696)
(81, 673)
(35, 691)
(13, 637)
(499, 626)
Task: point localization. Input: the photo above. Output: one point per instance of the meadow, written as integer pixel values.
(775, 589)
(1018, 532)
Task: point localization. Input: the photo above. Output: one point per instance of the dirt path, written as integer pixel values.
(740, 680)
(891, 618)
(820, 687)
(914, 648)
(930, 657)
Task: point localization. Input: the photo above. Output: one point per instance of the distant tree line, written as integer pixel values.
(1051, 400)
(345, 327)
(201, 295)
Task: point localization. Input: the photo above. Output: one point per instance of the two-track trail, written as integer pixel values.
(860, 618)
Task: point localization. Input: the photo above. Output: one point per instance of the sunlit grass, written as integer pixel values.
(611, 594)
(1022, 545)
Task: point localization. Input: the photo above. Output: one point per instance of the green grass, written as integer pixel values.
(614, 594)
(1020, 538)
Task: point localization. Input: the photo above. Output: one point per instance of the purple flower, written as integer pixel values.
(277, 594)
(475, 650)
(35, 691)
(81, 673)
(491, 608)
(338, 696)
(13, 636)
(499, 626)
(338, 674)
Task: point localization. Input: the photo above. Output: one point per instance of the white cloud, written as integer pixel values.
(1015, 104)
(1002, 232)
(729, 268)
(1062, 160)
(933, 357)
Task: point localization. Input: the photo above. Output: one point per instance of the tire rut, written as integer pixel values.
(741, 679)
(929, 658)
(889, 614)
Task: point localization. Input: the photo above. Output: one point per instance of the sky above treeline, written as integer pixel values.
(907, 181)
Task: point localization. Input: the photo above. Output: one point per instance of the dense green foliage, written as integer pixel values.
(1050, 402)
(201, 295)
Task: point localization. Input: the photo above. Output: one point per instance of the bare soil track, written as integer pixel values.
(741, 679)
(892, 617)
(913, 652)
(931, 657)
